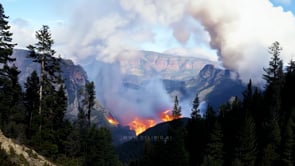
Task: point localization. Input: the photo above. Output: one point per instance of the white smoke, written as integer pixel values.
(242, 30)
(125, 103)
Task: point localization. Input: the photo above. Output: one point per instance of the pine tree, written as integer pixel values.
(271, 151)
(6, 47)
(274, 77)
(42, 53)
(31, 101)
(195, 110)
(248, 95)
(7, 70)
(288, 143)
(176, 112)
(214, 149)
(246, 150)
(89, 99)
(100, 150)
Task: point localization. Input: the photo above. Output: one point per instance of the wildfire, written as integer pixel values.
(140, 125)
(166, 116)
(112, 120)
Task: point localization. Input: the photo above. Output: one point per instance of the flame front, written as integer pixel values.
(140, 125)
(166, 116)
(112, 121)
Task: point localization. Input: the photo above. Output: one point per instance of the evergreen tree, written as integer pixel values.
(89, 99)
(288, 143)
(8, 72)
(43, 54)
(100, 151)
(214, 149)
(31, 102)
(176, 112)
(6, 47)
(246, 150)
(195, 110)
(248, 95)
(271, 150)
(274, 78)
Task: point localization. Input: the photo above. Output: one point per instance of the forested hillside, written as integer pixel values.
(257, 129)
(35, 116)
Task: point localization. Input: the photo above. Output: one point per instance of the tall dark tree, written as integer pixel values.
(7, 70)
(214, 149)
(6, 45)
(100, 150)
(246, 149)
(176, 112)
(31, 101)
(195, 110)
(89, 99)
(274, 77)
(288, 143)
(43, 54)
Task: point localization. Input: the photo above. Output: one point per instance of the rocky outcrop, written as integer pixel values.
(74, 76)
(21, 153)
(166, 66)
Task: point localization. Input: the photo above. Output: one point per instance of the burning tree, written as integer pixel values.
(176, 112)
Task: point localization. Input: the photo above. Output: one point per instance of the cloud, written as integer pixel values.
(23, 32)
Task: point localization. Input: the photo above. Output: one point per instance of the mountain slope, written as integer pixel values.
(21, 155)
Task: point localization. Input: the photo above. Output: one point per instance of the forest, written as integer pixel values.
(257, 129)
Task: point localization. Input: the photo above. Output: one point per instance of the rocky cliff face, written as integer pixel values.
(74, 76)
(166, 66)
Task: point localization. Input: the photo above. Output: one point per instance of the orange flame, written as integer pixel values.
(166, 116)
(112, 120)
(140, 125)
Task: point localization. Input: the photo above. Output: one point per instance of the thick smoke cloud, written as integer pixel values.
(242, 30)
(126, 103)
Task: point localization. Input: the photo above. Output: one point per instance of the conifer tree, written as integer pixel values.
(288, 143)
(195, 110)
(6, 45)
(176, 112)
(274, 77)
(214, 149)
(43, 54)
(10, 89)
(31, 101)
(246, 150)
(89, 99)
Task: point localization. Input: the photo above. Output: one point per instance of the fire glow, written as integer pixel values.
(139, 125)
(112, 120)
(166, 116)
